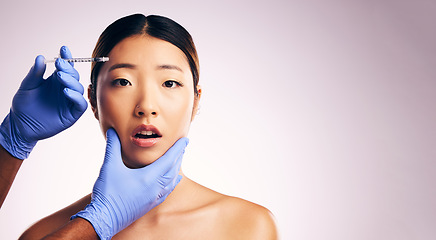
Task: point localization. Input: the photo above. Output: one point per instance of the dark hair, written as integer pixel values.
(152, 25)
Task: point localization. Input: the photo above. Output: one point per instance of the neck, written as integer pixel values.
(178, 200)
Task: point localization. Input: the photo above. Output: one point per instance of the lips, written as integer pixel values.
(145, 136)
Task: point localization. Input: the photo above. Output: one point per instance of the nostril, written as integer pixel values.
(153, 113)
(140, 113)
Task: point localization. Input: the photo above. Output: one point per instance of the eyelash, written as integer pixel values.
(179, 84)
(117, 82)
(122, 81)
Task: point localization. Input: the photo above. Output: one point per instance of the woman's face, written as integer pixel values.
(146, 93)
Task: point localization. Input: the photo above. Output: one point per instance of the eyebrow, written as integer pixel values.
(132, 66)
(122, 65)
(169, 67)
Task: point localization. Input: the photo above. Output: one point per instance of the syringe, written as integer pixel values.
(96, 59)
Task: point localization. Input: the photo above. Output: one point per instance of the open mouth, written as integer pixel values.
(147, 134)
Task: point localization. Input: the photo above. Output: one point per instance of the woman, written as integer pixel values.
(148, 93)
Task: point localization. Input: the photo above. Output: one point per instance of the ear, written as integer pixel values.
(93, 102)
(197, 97)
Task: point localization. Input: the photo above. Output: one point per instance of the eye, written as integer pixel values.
(172, 84)
(121, 82)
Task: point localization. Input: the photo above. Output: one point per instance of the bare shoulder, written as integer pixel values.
(236, 218)
(54, 221)
(247, 220)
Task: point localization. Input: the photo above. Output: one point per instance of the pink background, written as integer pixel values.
(321, 111)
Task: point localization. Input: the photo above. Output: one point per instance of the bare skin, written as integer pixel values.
(191, 211)
(9, 167)
(77, 228)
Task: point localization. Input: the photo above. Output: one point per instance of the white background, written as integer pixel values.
(321, 111)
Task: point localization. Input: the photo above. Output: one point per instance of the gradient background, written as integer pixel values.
(321, 111)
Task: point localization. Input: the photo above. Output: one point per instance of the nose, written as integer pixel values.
(146, 106)
(141, 112)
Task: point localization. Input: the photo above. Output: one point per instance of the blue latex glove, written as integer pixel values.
(42, 107)
(122, 195)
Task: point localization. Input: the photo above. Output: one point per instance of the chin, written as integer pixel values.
(140, 160)
(137, 157)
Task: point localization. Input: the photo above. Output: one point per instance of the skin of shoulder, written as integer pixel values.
(246, 220)
(232, 217)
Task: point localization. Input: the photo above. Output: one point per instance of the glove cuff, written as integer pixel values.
(97, 220)
(12, 141)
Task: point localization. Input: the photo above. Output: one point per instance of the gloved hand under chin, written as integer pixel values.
(122, 195)
(42, 107)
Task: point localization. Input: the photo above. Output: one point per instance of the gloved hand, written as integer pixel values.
(122, 195)
(42, 107)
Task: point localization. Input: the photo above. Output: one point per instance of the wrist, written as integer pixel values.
(99, 220)
(11, 140)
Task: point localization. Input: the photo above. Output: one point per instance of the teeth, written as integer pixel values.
(146, 132)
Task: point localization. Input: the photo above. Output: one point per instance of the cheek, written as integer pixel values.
(179, 116)
(111, 110)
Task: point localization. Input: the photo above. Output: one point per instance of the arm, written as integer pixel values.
(74, 229)
(40, 109)
(9, 167)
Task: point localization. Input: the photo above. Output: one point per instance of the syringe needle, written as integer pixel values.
(96, 59)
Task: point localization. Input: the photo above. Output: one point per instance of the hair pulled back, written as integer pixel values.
(155, 26)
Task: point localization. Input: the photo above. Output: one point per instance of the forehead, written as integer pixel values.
(148, 51)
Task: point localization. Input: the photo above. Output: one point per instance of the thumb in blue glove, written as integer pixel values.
(42, 107)
(122, 195)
